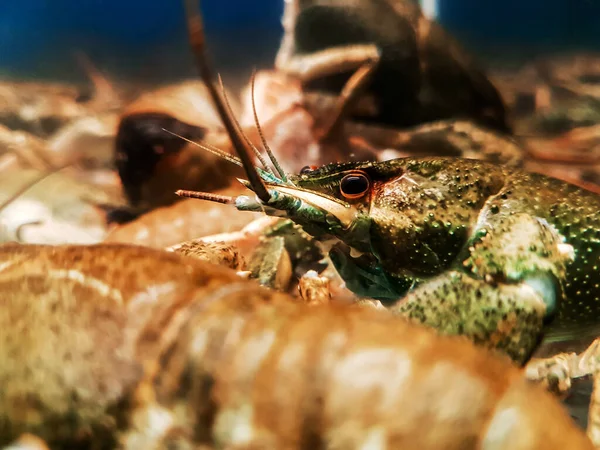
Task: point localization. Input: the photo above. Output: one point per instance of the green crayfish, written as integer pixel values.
(468, 247)
(462, 243)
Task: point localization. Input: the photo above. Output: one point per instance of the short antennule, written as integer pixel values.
(209, 148)
(197, 42)
(225, 199)
(274, 161)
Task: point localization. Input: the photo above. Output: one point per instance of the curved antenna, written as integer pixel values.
(104, 90)
(278, 168)
(197, 39)
(355, 86)
(237, 124)
(31, 184)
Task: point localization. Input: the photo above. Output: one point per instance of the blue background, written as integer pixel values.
(146, 38)
(524, 25)
(132, 37)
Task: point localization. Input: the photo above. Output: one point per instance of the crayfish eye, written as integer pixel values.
(354, 185)
(307, 169)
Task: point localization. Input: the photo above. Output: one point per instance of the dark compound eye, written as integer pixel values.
(354, 185)
(307, 169)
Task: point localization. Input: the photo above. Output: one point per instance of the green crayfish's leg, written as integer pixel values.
(282, 248)
(554, 373)
(503, 316)
(271, 264)
(507, 282)
(365, 277)
(314, 288)
(557, 372)
(593, 428)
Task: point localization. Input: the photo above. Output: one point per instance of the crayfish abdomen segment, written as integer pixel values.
(70, 321)
(222, 362)
(248, 373)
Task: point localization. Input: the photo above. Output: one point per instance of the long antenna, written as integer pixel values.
(239, 128)
(197, 42)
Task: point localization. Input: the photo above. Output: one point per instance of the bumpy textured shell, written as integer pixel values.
(118, 343)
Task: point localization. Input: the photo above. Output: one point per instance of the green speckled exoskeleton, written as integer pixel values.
(501, 256)
(462, 245)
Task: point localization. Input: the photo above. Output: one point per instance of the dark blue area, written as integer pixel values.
(147, 37)
(40, 36)
(524, 24)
